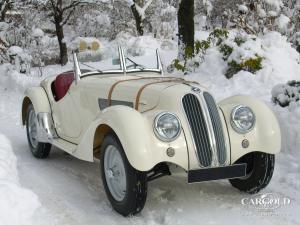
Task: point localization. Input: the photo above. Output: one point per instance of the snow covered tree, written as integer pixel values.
(138, 8)
(186, 30)
(4, 7)
(60, 12)
(162, 21)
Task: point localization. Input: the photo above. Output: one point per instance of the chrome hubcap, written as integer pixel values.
(115, 174)
(32, 129)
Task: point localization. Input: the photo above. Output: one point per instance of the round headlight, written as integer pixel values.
(167, 127)
(242, 119)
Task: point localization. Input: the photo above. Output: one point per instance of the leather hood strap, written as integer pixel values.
(111, 90)
(137, 100)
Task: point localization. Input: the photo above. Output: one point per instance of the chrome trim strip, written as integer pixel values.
(77, 71)
(217, 129)
(201, 130)
(103, 103)
(212, 138)
(45, 128)
(190, 131)
(159, 63)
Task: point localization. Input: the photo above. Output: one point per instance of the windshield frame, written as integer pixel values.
(123, 69)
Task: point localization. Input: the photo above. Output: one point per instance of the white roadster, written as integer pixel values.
(140, 122)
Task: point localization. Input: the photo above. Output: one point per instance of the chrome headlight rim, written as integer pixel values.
(164, 139)
(235, 125)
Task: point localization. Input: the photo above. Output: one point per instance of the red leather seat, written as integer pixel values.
(62, 84)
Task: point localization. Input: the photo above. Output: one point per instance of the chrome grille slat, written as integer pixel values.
(217, 127)
(199, 129)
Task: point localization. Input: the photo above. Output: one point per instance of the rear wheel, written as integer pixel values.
(126, 188)
(38, 149)
(260, 167)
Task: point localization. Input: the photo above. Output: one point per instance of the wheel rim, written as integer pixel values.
(32, 129)
(115, 174)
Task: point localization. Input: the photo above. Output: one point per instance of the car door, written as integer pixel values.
(66, 116)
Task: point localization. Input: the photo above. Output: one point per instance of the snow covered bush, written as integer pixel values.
(254, 17)
(240, 52)
(192, 58)
(286, 94)
(251, 65)
(19, 59)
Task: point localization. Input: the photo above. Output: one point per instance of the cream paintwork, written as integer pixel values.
(39, 99)
(135, 129)
(265, 136)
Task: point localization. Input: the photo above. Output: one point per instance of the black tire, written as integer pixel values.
(42, 150)
(136, 182)
(260, 167)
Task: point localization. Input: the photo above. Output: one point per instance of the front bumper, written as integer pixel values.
(217, 173)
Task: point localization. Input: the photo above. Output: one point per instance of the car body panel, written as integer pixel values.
(264, 137)
(127, 105)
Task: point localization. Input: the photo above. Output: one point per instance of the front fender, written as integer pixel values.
(264, 137)
(38, 97)
(135, 133)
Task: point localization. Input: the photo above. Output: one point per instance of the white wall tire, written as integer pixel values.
(38, 149)
(125, 187)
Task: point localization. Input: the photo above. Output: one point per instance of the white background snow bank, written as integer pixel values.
(17, 205)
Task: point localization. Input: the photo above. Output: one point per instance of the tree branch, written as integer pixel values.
(67, 17)
(73, 5)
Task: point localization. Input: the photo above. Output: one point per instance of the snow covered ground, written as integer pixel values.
(70, 191)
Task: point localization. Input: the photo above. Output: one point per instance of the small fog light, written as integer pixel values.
(245, 143)
(170, 152)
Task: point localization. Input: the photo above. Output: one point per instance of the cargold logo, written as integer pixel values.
(266, 201)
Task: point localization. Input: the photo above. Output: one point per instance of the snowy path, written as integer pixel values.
(71, 192)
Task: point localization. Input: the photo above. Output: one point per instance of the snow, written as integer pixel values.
(243, 8)
(208, 7)
(15, 50)
(37, 33)
(272, 13)
(275, 3)
(3, 26)
(282, 22)
(70, 191)
(287, 94)
(142, 10)
(17, 204)
(261, 12)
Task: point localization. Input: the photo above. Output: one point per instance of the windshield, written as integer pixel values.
(112, 60)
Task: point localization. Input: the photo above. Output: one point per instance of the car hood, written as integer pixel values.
(142, 93)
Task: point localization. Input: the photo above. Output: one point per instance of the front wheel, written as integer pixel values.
(125, 187)
(260, 167)
(38, 149)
